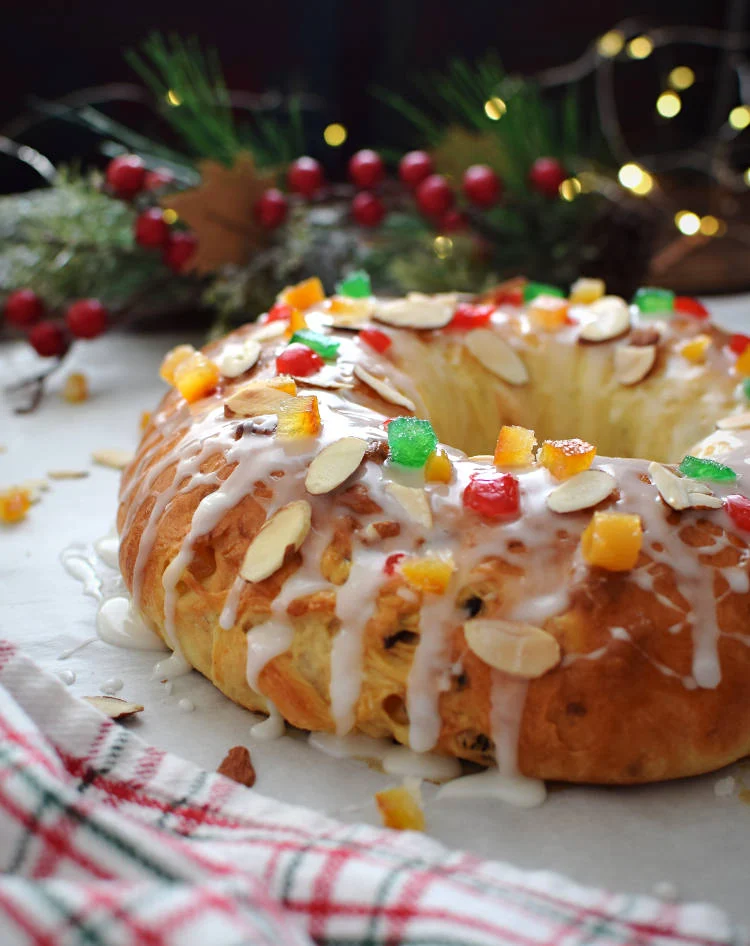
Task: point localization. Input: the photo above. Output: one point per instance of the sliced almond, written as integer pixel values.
(497, 356)
(258, 397)
(673, 489)
(383, 388)
(633, 363)
(417, 311)
(264, 333)
(521, 650)
(112, 457)
(237, 359)
(329, 382)
(701, 500)
(376, 532)
(734, 422)
(67, 474)
(334, 464)
(582, 491)
(611, 318)
(413, 499)
(287, 528)
(113, 706)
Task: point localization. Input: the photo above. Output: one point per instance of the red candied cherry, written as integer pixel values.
(23, 308)
(738, 510)
(151, 230)
(546, 175)
(158, 178)
(738, 343)
(86, 318)
(470, 315)
(392, 562)
(179, 250)
(434, 195)
(271, 208)
(48, 339)
(305, 176)
(452, 221)
(279, 312)
(482, 186)
(414, 167)
(126, 175)
(367, 209)
(690, 306)
(493, 496)
(366, 168)
(375, 339)
(298, 360)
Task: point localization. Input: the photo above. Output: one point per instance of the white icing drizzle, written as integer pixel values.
(271, 728)
(119, 624)
(395, 760)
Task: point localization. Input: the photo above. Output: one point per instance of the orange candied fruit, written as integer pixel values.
(195, 377)
(548, 313)
(515, 446)
(14, 504)
(298, 418)
(431, 575)
(565, 458)
(76, 388)
(145, 420)
(585, 291)
(612, 540)
(297, 322)
(304, 294)
(695, 350)
(743, 362)
(173, 358)
(282, 382)
(400, 809)
(438, 468)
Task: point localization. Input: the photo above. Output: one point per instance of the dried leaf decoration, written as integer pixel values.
(220, 212)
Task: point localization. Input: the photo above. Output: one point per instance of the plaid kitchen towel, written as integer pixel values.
(106, 841)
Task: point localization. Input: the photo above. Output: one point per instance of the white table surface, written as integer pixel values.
(627, 839)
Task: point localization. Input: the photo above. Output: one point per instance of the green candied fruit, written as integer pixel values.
(356, 285)
(411, 441)
(698, 469)
(651, 300)
(746, 388)
(533, 289)
(327, 348)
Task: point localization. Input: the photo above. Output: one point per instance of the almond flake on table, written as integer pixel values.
(112, 457)
(67, 474)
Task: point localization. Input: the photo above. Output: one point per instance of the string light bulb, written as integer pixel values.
(681, 77)
(570, 188)
(687, 222)
(635, 179)
(443, 246)
(669, 104)
(610, 44)
(169, 216)
(495, 108)
(335, 134)
(710, 225)
(173, 98)
(739, 117)
(640, 48)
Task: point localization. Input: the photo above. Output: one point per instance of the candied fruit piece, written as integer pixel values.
(612, 540)
(689, 306)
(565, 458)
(279, 312)
(650, 299)
(298, 360)
(585, 291)
(743, 362)
(738, 343)
(400, 809)
(298, 417)
(431, 575)
(738, 510)
(695, 350)
(304, 294)
(699, 469)
(391, 563)
(469, 315)
(326, 347)
(548, 313)
(533, 289)
(376, 339)
(493, 495)
(14, 504)
(172, 359)
(411, 441)
(196, 376)
(76, 388)
(746, 388)
(357, 285)
(297, 322)
(145, 420)
(438, 468)
(515, 446)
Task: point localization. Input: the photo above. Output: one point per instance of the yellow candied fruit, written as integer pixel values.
(585, 291)
(400, 809)
(743, 362)
(438, 468)
(299, 417)
(565, 458)
(282, 382)
(548, 313)
(14, 504)
(612, 540)
(304, 294)
(195, 377)
(695, 350)
(515, 446)
(76, 388)
(297, 321)
(144, 421)
(173, 358)
(431, 575)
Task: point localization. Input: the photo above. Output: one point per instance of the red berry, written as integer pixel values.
(391, 563)
(305, 176)
(179, 250)
(738, 510)
(414, 167)
(690, 306)
(367, 209)
(482, 186)
(366, 168)
(86, 318)
(126, 175)
(270, 209)
(151, 229)
(376, 339)
(156, 179)
(279, 312)
(434, 195)
(738, 343)
(23, 307)
(470, 315)
(48, 339)
(546, 176)
(452, 221)
(493, 496)
(298, 360)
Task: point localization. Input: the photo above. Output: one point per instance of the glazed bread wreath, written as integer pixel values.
(296, 528)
